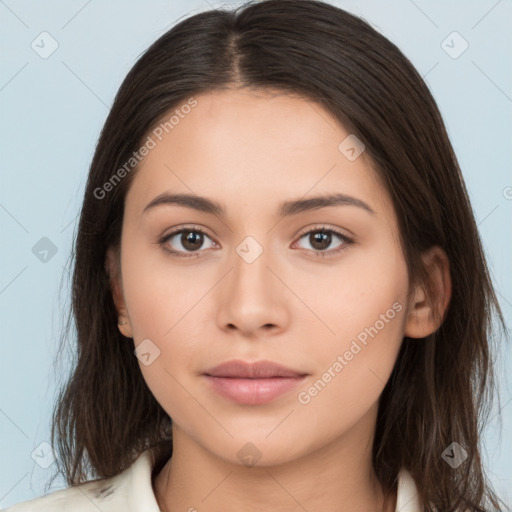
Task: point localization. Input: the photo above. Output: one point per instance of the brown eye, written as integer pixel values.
(186, 242)
(321, 241)
(192, 240)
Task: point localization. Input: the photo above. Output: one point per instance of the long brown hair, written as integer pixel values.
(441, 387)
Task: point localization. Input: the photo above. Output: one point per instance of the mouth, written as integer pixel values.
(253, 383)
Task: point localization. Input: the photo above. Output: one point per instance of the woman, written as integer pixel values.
(279, 289)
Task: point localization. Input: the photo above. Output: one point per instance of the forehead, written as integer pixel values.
(252, 146)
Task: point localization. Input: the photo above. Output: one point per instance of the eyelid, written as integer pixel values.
(325, 227)
(186, 227)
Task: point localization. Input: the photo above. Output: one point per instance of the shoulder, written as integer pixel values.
(80, 498)
(407, 493)
(130, 490)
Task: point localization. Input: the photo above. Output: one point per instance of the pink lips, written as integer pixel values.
(253, 383)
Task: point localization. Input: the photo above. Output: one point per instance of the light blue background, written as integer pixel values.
(52, 111)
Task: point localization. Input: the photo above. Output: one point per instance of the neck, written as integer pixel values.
(339, 476)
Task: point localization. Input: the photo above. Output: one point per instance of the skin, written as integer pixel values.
(250, 151)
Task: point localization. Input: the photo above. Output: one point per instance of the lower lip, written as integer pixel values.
(253, 391)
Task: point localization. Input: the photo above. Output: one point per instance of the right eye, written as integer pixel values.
(187, 242)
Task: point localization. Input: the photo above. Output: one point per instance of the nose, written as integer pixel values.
(253, 298)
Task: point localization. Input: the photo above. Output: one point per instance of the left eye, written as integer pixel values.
(321, 239)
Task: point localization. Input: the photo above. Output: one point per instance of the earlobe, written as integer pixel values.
(426, 310)
(112, 268)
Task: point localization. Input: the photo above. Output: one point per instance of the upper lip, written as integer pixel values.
(258, 369)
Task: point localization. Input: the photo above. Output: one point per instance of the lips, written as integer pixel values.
(257, 370)
(252, 383)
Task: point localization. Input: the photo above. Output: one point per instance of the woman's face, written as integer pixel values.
(265, 281)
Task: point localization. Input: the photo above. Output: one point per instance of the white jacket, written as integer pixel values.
(132, 491)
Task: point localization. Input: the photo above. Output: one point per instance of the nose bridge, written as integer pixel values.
(252, 297)
(250, 272)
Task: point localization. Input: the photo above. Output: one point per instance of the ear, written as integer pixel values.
(426, 311)
(113, 269)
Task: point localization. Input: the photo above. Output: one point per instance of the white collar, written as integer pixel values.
(132, 491)
(143, 499)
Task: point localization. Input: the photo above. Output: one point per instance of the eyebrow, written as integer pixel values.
(286, 209)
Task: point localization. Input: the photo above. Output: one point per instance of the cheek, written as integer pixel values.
(365, 306)
(351, 372)
(365, 348)
(345, 299)
(160, 295)
(164, 302)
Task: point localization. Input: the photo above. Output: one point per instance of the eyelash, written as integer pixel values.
(320, 229)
